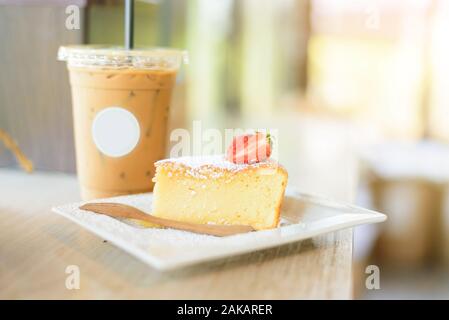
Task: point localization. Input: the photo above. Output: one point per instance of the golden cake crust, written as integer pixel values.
(215, 167)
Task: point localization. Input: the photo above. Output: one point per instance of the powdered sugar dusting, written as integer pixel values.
(214, 161)
(212, 166)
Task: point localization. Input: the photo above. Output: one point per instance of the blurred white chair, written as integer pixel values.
(407, 182)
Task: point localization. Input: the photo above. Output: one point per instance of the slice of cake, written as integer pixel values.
(212, 189)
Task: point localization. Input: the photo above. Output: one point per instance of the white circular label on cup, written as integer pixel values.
(115, 131)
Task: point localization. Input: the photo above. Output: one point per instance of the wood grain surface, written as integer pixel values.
(37, 245)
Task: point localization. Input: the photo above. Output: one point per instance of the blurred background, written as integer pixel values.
(358, 90)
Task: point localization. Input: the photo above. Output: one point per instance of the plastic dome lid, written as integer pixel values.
(118, 57)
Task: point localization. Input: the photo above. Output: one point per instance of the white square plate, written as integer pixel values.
(303, 216)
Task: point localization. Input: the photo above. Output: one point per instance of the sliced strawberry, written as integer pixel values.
(249, 148)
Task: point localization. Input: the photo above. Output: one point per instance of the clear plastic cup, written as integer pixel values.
(121, 101)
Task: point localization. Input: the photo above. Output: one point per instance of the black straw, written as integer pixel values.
(129, 24)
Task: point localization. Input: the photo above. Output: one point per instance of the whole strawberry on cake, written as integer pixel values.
(243, 187)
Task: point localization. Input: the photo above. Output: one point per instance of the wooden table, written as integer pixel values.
(37, 245)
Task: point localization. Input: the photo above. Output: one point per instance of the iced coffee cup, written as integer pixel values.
(121, 100)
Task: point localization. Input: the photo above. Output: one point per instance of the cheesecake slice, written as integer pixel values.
(213, 190)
